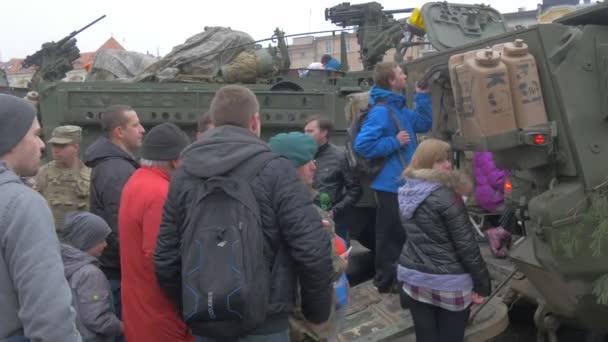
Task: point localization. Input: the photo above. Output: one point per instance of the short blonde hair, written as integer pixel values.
(429, 152)
(233, 105)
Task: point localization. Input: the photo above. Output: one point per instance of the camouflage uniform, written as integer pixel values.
(65, 189)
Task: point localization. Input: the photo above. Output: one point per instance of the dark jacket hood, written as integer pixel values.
(7, 175)
(220, 150)
(74, 259)
(103, 149)
(422, 182)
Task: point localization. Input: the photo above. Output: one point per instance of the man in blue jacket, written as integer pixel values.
(330, 63)
(381, 137)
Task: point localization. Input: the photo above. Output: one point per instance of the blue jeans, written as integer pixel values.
(282, 336)
(116, 302)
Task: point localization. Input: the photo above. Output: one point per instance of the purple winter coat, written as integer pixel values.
(490, 181)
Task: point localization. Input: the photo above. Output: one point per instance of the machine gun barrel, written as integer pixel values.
(395, 11)
(346, 14)
(73, 34)
(37, 57)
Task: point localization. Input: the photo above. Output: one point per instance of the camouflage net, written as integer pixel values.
(202, 54)
(597, 217)
(600, 290)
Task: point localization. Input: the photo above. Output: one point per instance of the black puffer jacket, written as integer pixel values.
(334, 178)
(297, 245)
(440, 238)
(111, 169)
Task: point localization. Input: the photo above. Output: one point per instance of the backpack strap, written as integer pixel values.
(252, 167)
(399, 128)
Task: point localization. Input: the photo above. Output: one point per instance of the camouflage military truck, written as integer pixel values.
(559, 181)
(536, 98)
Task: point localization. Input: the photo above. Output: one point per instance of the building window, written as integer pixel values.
(329, 46)
(303, 54)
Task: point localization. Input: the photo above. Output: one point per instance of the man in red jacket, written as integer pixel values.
(148, 314)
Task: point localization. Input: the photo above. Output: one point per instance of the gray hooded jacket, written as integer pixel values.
(34, 295)
(91, 295)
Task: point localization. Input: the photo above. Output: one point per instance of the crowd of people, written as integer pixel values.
(228, 237)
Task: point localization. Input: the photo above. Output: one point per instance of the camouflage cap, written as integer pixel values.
(63, 135)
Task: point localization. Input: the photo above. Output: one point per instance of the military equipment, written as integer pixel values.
(3, 79)
(286, 100)
(555, 141)
(559, 182)
(377, 30)
(55, 59)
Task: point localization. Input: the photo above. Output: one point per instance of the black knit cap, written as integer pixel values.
(164, 142)
(16, 118)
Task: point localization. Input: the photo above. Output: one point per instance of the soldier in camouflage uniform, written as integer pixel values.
(64, 182)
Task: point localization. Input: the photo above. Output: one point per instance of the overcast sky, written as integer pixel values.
(159, 26)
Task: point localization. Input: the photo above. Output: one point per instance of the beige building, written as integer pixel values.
(309, 49)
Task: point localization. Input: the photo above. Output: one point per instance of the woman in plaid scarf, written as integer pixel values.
(440, 266)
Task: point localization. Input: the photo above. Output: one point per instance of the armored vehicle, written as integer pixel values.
(544, 116)
(559, 181)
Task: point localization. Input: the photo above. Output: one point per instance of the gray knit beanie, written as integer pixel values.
(16, 118)
(164, 142)
(84, 230)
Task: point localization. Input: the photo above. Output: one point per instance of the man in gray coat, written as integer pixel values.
(34, 294)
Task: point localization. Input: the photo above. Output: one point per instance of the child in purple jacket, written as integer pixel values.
(489, 193)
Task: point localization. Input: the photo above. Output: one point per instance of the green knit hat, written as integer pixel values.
(298, 147)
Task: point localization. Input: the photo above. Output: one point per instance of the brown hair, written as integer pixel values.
(204, 122)
(429, 152)
(114, 116)
(324, 123)
(233, 105)
(384, 73)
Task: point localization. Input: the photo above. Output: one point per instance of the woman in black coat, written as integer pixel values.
(440, 265)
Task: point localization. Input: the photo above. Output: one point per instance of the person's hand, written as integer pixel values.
(403, 137)
(344, 256)
(423, 87)
(326, 224)
(477, 299)
(345, 259)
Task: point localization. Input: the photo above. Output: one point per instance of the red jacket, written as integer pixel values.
(147, 313)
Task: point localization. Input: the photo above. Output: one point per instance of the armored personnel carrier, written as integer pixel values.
(543, 113)
(536, 98)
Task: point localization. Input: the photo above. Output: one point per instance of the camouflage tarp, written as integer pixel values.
(195, 57)
(119, 65)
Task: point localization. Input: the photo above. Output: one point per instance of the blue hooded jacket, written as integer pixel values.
(377, 137)
(333, 64)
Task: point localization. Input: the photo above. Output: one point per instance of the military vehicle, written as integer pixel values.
(54, 59)
(559, 177)
(559, 181)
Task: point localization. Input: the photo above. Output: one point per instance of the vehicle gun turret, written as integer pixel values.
(55, 59)
(377, 32)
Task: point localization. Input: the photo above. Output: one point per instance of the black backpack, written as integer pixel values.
(225, 278)
(365, 168)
